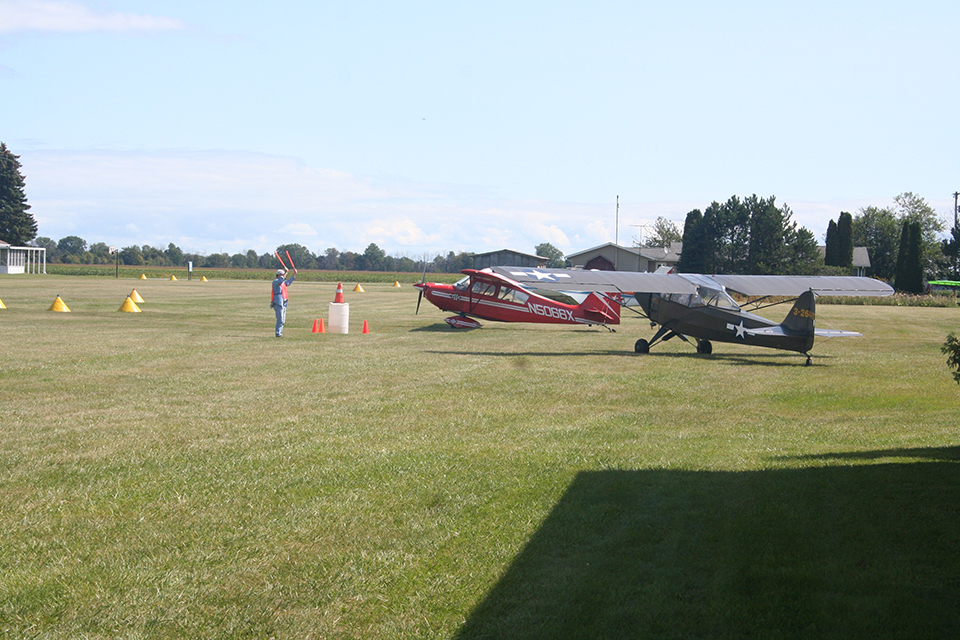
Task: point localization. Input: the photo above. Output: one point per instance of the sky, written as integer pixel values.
(428, 127)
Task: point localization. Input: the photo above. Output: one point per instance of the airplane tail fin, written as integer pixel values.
(601, 309)
(800, 319)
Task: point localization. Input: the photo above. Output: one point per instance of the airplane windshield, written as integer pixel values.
(462, 283)
(717, 298)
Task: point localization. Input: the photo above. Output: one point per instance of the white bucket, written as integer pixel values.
(339, 317)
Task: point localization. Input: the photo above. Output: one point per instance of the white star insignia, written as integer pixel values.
(739, 328)
(539, 275)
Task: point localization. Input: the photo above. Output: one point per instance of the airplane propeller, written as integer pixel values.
(422, 281)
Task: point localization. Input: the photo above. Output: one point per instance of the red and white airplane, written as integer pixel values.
(492, 296)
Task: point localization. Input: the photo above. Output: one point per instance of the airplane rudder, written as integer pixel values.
(801, 317)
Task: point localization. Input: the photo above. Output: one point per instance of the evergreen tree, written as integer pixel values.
(691, 258)
(913, 264)
(900, 274)
(844, 255)
(830, 251)
(17, 225)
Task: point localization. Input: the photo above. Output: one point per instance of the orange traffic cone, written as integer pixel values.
(338, 299)
(366, 327)
(318, 326)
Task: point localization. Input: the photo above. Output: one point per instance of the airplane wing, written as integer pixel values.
(585, 280)
(795, 285)
(631, 281)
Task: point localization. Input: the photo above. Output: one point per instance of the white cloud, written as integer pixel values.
(217, 201)
(65, 16)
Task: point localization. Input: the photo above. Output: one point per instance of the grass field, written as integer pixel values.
(181, 473)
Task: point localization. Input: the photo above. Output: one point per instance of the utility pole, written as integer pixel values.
(956, 222)
(616, 238)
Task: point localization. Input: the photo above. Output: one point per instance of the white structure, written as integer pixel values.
(22, 259)
(612, 257)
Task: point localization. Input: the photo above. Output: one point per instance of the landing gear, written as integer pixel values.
(808, 363)
(704, 347)
(642, 346)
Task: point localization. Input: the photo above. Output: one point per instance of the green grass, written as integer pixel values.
(182, 473)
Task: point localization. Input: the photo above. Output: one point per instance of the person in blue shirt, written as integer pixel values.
(279, 297)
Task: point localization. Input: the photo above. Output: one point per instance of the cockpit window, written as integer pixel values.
(717, 298)
(510, 294)
(484, 288)
(462, 283)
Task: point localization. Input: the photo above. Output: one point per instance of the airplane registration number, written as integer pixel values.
(551, 312)
(804, 313)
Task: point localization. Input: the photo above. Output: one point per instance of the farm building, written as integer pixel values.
(508, 258)
(612, 257)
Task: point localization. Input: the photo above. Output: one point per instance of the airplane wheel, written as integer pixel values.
(642, 346)
(704, 346)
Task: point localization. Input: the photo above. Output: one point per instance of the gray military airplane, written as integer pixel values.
(699, 307)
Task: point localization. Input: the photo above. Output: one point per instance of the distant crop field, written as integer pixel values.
(181, 473)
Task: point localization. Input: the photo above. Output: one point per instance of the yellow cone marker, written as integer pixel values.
(135, 296)
(129, 306)
(396, 284)
(2, 306)
(359, 289)
(173, 278)
(143, 276)
(203, 279)
(59, 305)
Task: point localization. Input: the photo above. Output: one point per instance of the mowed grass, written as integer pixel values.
(181, 473)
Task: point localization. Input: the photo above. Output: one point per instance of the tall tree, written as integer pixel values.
(664, 233)
(302, 258)
(555, 258)
(877, 229)
(17, 225)
(694, 241)
(844, 255)
(768, 226)
(909, 206)
(900, 274)
(913, 262)
(830, 251)
(749, 236)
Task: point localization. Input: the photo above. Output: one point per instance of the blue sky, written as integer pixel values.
(439, 126)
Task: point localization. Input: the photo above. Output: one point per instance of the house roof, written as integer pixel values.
(519, 253)
(861, 257)
(671, 253)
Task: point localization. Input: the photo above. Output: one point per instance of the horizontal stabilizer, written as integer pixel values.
(604, 307)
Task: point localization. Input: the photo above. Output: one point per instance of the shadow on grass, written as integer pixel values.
(828, 552)
(532, 354)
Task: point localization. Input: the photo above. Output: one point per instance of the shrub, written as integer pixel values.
(952, 348)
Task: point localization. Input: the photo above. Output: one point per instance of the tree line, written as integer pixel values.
(75, 250)
(754, 235)
(751, 235)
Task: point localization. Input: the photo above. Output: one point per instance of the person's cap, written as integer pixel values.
(280, 272)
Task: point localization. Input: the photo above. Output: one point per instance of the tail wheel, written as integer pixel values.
(642, 346)
(704, 346)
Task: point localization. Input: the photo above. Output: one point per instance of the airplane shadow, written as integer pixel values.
(763, 360)
(531, 354)
(831, 551)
